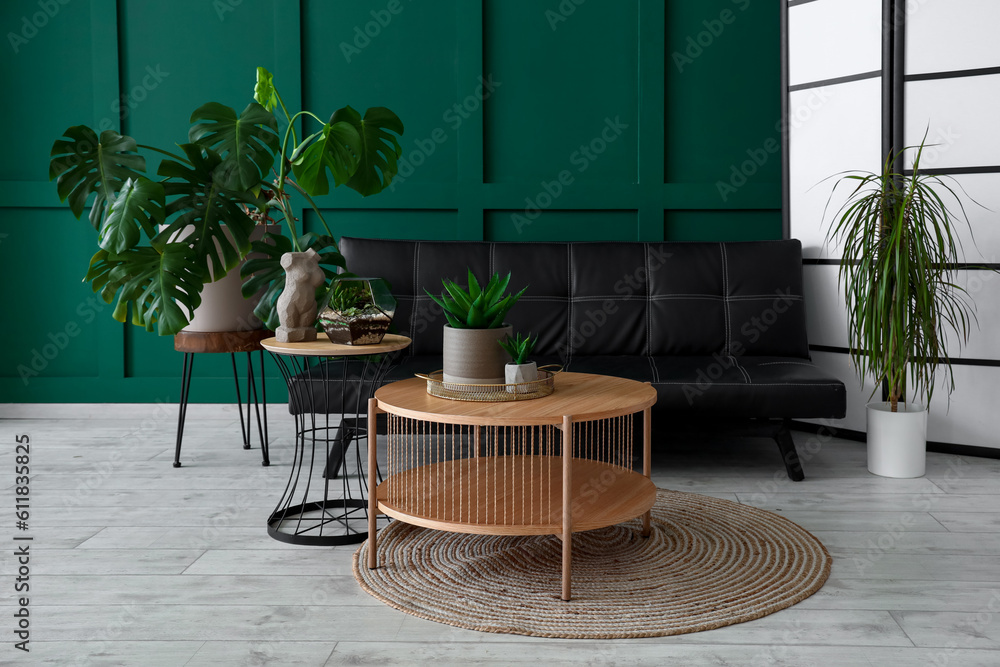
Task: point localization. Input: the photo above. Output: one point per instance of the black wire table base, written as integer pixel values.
(325, 501)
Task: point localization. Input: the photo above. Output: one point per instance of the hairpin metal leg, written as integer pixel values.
(182, 411)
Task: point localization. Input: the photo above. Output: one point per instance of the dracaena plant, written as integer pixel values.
(162, 237)
(900, 246)
(476, 307)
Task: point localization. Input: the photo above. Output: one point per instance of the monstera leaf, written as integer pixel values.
(247, 142)
(139, 206)
(379, 148)
(336, 148)
(266, 273)
(264, 91)
(154, 281)
(84, 163)
(208, 208)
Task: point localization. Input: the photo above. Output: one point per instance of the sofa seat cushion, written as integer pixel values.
(765, 387)
(731, 387)
(326, 397)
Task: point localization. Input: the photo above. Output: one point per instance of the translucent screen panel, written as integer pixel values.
(833, 38)
(949, 35)
(832, 129)
(959, 116)
(970, 417)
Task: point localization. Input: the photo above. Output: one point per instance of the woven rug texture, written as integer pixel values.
(708, 563)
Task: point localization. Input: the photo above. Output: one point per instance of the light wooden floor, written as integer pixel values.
(137, 563)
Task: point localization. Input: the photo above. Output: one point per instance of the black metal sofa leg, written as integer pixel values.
(788, 453)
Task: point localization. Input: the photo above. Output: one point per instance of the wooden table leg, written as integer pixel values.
(567, 534)
(372, 431)
(647, 433)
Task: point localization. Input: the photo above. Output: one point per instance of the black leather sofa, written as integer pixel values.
(719, 329)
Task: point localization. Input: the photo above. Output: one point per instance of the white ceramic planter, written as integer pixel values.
(474, 356)
(897, 441)
(518, 373)
(223, 307)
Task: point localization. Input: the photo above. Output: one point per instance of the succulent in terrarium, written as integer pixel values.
(359, 311)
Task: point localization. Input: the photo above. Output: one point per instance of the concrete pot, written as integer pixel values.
(897, 441)
(520, 373)
(474, 356)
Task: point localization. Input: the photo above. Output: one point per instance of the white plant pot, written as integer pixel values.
(223, 307)
(474, 356)
(518, 373)
(897, 441)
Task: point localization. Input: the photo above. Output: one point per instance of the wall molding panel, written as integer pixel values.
(651, 113)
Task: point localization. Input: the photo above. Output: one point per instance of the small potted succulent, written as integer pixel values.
(519, 371)
(475, 326)
(360, 311)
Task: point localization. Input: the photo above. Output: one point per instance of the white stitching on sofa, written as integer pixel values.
(569, 302)
(725, 296)
(736, 362)
(416, 288)
(764, 384)
(795, 363)
(649, 335)
(766, 297)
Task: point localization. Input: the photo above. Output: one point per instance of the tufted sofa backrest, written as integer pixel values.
(608, 298)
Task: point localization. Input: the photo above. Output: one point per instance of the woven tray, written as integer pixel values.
(493, 393)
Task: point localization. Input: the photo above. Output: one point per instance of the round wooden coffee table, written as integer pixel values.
(553, 465)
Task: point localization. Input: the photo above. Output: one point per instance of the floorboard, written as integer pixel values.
(135, 562)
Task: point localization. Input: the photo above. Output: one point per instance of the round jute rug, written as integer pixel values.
(708, 563)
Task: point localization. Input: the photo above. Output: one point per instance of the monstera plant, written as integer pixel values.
(163, 237)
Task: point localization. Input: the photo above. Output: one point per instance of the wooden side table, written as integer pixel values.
(549, 466)
(310, 511)
(225, 342)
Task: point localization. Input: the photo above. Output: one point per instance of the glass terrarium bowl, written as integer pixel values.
(360, 311)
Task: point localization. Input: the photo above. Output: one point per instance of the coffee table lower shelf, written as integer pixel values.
(514, 495)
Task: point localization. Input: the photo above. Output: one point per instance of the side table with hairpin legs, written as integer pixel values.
(329, 385)
(231, 343)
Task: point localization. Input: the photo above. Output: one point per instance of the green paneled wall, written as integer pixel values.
(526, 120)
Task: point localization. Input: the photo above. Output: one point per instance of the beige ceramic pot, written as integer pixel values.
(474, 356)
(223, 307)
